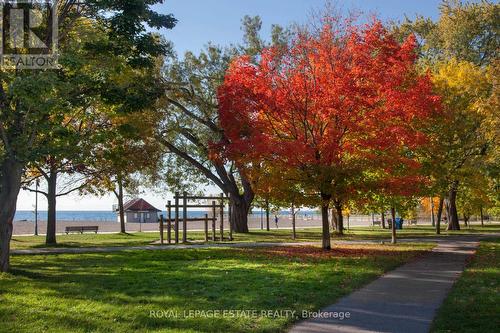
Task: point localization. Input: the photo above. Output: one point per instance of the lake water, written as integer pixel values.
(106, 216)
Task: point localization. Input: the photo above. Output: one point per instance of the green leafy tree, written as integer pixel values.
(31, 101)
(191, 123)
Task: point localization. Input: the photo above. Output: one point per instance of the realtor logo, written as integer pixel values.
(28, 34)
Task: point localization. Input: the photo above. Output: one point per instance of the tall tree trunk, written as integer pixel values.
(121, 210)
(393, 225)
(50, 238)
(382, 215)
(324, 219)
(482, 216)
(294, 234)
(10, 184)
(240, 207)
(267, 214)
(340, 217)
(335, 224)
(453, 223)
(433, 222)
(439, 213)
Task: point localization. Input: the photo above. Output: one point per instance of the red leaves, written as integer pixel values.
(331, 99)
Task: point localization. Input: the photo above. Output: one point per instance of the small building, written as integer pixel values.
(139, 211)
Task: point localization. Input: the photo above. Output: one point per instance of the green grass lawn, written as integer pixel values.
(280, 235)
(474, 302)
(117, 292)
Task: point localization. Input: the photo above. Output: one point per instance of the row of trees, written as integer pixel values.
(267, 106)
(336, 115)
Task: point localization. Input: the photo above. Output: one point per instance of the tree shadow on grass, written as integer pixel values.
(124, 287)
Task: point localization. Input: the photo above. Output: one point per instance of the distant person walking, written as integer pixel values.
(276, 220)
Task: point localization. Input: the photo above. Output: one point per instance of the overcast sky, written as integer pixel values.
(218, 21)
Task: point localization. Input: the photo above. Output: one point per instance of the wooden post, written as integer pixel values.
(161, 229)
(176, 225)
(229, 218)
(169, 222)
(221, 217)
(214, 217)
(184, 218)
(206, 227)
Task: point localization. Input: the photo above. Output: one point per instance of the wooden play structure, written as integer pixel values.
(183, 202)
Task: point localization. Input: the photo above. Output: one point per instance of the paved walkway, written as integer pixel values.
(97, 249)
(403, 300)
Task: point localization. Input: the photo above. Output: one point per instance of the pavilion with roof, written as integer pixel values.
(139, 210)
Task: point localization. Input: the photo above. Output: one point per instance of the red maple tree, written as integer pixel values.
(334, 105)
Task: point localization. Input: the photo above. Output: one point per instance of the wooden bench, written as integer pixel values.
(413, 221)
(377, 222)
(82, 229)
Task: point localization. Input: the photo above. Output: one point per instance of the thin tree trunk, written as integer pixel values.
(10, 184)
(335, 224)
(121, 210)
(324, 219)
(383, 220)
(439, 213)
(267, 214)
(50, 238)
(340, 217)
(433, 222)
(466, 220)
(294, 234)
(393, 225)
(482, 216)
(446, 210)
(453, 223)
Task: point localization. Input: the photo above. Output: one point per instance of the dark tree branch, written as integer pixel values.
(36, 191)
(193, 162)
(211, 125)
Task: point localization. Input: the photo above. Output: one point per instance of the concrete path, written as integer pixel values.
(153, 247)
(404, 300)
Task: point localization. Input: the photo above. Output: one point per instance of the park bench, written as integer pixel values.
(81, 229)
(412, 221)
(377, 222)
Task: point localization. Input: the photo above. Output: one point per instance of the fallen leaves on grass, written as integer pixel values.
(343, 251)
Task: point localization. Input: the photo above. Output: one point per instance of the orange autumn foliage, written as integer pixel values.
(327, 101)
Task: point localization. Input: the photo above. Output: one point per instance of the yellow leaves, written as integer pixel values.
(462, 76)
(429, 203)
(465, 88)
(33, 173)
